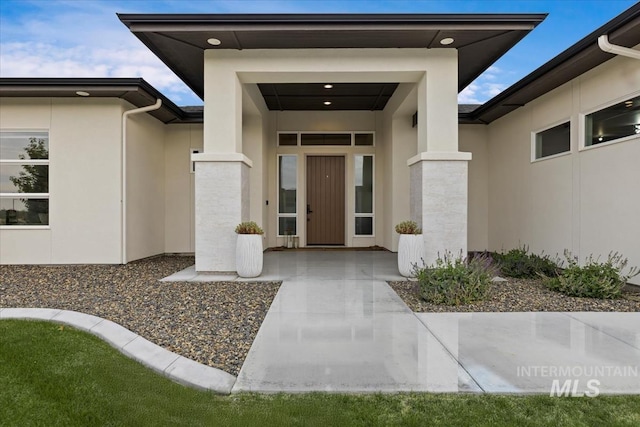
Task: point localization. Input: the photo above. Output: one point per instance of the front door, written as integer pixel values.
(325, 200)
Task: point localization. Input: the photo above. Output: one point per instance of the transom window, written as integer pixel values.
(618, 121)
(24, 178)
(288, 139)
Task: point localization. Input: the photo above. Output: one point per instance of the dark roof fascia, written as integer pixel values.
(366, 19)
(126, 85)
(589, 41)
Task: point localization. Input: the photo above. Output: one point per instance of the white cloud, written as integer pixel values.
(84, 39)
(45, 60)
(486, 86)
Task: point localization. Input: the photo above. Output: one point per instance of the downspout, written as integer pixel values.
(123, 177)
(603, 42)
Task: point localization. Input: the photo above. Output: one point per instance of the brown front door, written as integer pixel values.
(325, 200)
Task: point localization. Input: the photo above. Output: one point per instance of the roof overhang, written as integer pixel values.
(179, 40)
(134, 90)
(623, 30)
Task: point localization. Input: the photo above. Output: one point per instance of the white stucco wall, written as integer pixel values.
(179, 197)
(585, 201)
(145, 186)
(473, 139)
(84, 181)
(399, 144)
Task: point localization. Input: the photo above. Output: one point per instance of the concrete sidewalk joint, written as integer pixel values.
(173, 366)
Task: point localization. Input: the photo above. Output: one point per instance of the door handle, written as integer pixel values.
(309, 209)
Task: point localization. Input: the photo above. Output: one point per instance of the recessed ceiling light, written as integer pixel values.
(214, 42)
(446, 41)
(82, 93)
(327, 102)
(328, 86)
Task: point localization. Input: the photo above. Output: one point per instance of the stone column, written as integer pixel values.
(439, 172)
(222, 202)
(222, 170)
(439, 200)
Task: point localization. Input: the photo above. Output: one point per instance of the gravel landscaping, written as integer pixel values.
(213, 323)
(519, 295)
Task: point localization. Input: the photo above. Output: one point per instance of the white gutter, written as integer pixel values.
(123, 189)
(603, 42)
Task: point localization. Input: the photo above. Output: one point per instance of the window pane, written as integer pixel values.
(287, 183)
(364, 139)
(24, 178)
(288, 139)
(364, 226)
(364, 184)
(287, 225)
(24, 145)
(553, 141)
(617, 121)
(24, 211)
(325, 139)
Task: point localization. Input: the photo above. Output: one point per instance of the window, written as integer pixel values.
(555, 140)
(363, 139)
(287, 195)
(287, 139)
(325, 139)
(24, 178)
(615, 122)
(348, 139)
(364, 195)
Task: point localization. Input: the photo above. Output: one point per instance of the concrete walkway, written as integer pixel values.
(335, 325)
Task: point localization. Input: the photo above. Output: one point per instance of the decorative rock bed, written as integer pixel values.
(212, 323)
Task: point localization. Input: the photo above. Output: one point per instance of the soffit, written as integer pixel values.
(624, 30)
(134, 90)
(180, 40)
(342, 96)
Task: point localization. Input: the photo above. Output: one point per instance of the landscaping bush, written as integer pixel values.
(249, 227)
(593, 280)
(408, 227)
(519, 263)
(455, 281)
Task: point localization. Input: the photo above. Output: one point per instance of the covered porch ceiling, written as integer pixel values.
(179, 40)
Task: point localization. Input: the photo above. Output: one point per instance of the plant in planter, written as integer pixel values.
(249, 249)
(410, 247)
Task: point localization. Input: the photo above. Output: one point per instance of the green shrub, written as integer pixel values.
(593, 280)
(519, 263)
(456, 281)
(249, 227)
(408, 227)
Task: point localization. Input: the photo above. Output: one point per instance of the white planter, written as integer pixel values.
(249, 255)
(410, 253)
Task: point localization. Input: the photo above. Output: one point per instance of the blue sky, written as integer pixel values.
(84, 38)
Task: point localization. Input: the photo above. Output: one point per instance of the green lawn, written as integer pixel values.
(54, 375)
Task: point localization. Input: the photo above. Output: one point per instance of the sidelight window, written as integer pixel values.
(287, 194)
(364, 193)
